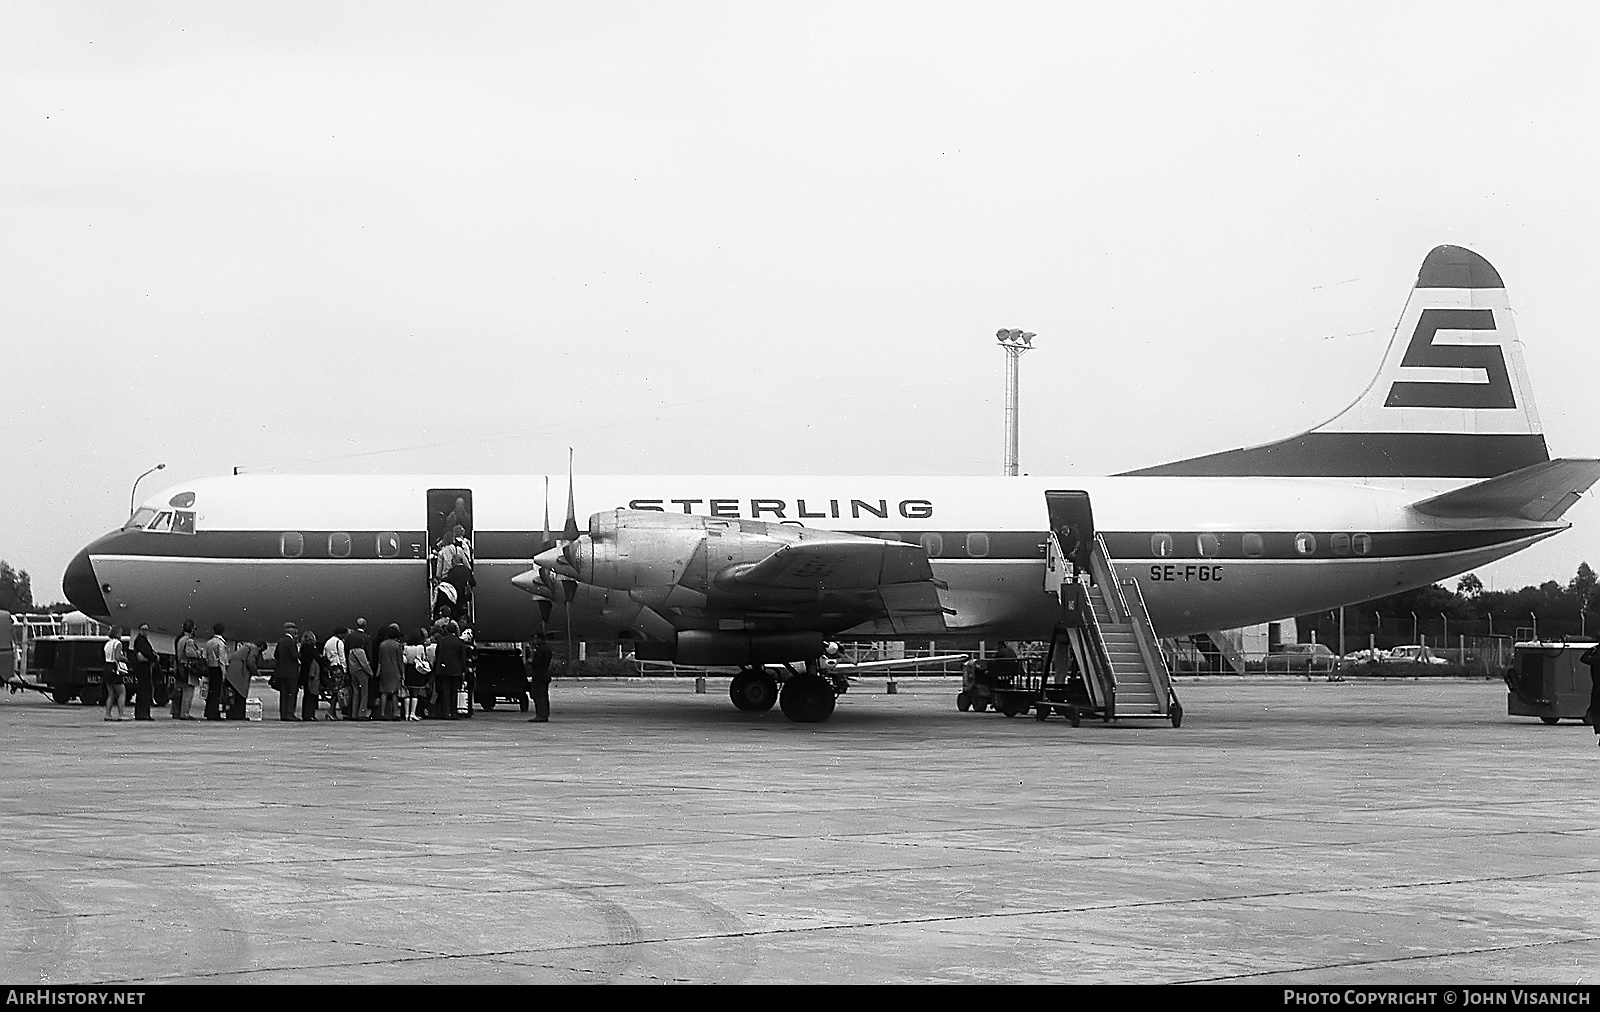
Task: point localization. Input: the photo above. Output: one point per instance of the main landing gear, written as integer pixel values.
(806, 697)
(754, 690)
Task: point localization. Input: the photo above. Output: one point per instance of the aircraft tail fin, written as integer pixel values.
(1540, 492)
(1451, 400)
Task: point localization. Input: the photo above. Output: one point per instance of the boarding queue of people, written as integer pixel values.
(398, 676)
(349, 675)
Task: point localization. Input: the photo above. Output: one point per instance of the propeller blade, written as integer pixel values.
(545, 543)
(545, 607)
(570, 533)
(569, 589)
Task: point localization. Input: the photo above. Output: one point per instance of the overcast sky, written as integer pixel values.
(756, 237)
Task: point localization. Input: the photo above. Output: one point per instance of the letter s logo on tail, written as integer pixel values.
(1424, 352)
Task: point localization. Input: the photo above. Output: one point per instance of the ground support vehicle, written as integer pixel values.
(502, 676)
(73, 667)
(1008, 685)
(1546, 680)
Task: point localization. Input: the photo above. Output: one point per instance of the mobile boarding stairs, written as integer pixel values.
(1105, 659)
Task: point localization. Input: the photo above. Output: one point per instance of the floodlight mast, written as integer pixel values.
(1015, 343)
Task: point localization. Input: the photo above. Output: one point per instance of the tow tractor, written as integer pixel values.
(1005, 683)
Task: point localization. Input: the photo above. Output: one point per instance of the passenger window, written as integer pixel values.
(1210, 545)
(1340, 543)
(291, 544)
(933, 544)
(388, 545)
(1362, 543)
(978, 544)
(1161, 545)
(339, 545)
(1253, 546)
(1305, 544)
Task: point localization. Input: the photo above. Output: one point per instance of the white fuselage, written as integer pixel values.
(1208, 553)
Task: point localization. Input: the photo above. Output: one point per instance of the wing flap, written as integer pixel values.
(1540, 492)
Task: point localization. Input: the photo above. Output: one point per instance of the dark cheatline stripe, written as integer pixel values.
(1280, 545)
(944, 546)
(1457, 267)
(1365, 455)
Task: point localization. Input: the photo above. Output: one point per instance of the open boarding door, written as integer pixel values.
(452, 554)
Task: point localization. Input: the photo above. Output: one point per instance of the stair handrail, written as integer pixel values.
(1145, 635)
(1083, 638)
(1105, 676)
(1106, 576)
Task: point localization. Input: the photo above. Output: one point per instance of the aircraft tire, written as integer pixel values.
(92, 695)
(61, 696)
(753, 692)
(1177, 715)
(807, 700)
(523, 702)
(486, 701)
(1551, 720)
(963, 701)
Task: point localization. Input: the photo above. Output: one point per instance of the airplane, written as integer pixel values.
(1438, 467)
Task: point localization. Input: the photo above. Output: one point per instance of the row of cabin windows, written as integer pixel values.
(292, 545)
(1210, 546)
(976, 544)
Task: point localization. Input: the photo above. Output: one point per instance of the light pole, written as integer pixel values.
(134, 493)
(1016, 343)
(1414, 637)
(1445, 643)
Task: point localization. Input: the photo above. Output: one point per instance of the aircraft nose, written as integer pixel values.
(82, 588)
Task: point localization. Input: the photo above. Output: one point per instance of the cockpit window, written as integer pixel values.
(139, 519)
(167, 521)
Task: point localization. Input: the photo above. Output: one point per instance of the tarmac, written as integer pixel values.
(1289, 832)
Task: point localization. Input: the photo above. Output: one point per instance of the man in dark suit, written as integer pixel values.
(539, 680)
(286, 675)
(144, 666)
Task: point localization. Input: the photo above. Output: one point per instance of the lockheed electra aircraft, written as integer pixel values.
(1440, 466)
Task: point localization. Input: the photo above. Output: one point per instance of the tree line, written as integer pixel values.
(1555, 610)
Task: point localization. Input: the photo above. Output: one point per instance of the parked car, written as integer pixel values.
(1302, 657)
(1371, 655)
(1414, 655)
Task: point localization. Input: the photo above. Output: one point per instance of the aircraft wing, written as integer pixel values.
(1540, 492)
(897, 574)
(835, 565)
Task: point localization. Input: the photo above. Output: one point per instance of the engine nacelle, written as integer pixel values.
(709, 647)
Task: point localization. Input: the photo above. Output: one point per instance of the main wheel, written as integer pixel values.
(1551, 720)
(523, 702)
(487, 701)
(753, 691)
(92, 695)
(963, 701)
(979, 705)
(60, 695)
(807, 700)
(159, 693)
(1177, 714)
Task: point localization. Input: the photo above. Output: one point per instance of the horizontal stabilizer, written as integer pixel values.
(1540, 492)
